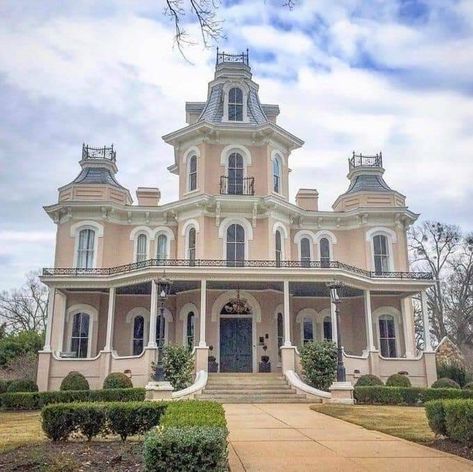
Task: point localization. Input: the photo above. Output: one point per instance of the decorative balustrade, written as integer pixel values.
(223, 57)
(196, 263)
(237, 186)
(358, 160)
(89, 152)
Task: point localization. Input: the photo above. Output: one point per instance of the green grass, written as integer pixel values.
(401, 421)
(20, 429)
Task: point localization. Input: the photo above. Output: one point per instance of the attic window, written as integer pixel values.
(235, 104)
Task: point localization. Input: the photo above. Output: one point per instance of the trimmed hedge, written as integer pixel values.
(192, 438)
(117, 380)
(3, 386)
(445, 383)
(406, 395)
(74, 381)
(398, 380)
(22, 385)
(90, 419)
(468, 386)
(435, 413)
(37, 400)
(368, 380)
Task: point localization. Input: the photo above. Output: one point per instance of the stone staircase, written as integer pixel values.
(251, 388)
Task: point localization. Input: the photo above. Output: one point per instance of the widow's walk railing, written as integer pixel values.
(358, 160)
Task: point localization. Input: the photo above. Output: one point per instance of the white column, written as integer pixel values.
(369, 322)
(425, 317)
(287, 317)
(203, 312)
(49, 325)
(153, 314)
(408, 324)
(110, 319)
(333, 318)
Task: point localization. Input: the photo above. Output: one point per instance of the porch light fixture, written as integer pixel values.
(237, 305)
(163, 285)
(335, 288)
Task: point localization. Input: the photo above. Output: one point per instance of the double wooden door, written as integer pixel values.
(236, 339)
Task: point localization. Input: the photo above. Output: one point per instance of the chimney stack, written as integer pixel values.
(308, 199)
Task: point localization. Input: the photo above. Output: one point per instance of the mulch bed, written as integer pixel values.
(447, 445)
(75, 457)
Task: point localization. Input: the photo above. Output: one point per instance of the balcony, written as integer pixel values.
(237, 185)
(358, 160)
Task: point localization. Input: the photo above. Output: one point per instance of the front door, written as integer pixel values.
(235, 345)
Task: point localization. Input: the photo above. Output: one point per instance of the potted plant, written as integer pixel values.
(265, 364)
(213, 365)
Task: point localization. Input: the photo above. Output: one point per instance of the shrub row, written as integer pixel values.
(192, 438)
(37, 400)
(90, 419)
(406, 395)
(451, 418)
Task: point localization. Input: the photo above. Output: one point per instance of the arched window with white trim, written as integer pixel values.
(324, 245)
(327, 327)
(85, 249)
(192, 174)
(138, 335)
(236, 170)
(305, 252)
(308, 332)
(80, 335)
(276, 174)
(162, 247)
(191, 245)
(190, 329)
(235, 245)
(235, 104)
(278, 247)
(381, 253)
(387, 336)
(141, 248)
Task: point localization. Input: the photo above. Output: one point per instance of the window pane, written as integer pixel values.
(137, 347)
(305, 249)
(308, 330)
(193, 164)
(84, 328)
(138, 327)
(328, 329)
(162, 246)
(324, 248)
(76, 325)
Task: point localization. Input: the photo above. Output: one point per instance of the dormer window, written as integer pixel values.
(235, 104)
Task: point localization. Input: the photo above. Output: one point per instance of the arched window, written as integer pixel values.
(324, 244)
(138, 335)
(235, 173)
(235, 245)
(141, 248)
(327, 328)
(278, 247)
(162, 252)
(307, 330)
(191, 245)
(190, 329)
(192, 182)
(280, 333)
(235, 104)
(380, 253)
(305, 252)
(387, 336)
(80, 334)
(85, 249)
(276, 175)
(160, 338)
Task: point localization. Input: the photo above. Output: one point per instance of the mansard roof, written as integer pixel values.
(97, 175)
(368, 183)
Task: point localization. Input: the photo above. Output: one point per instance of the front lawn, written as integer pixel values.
(20, 429)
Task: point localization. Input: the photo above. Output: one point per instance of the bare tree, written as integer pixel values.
(26, 308)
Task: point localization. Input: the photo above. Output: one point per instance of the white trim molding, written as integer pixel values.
(278, 225)
(381, 230)
(240, 149)
(130, 319)
(87, 223)
(396, 314)
(192, 222)
(245, 90)
(223, 229)
(391, 238)
(93, 322)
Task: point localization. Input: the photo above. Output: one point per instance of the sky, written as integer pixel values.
(367, 75)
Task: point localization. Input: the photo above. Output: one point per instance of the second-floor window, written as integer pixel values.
(235, 104)
(192, 183)
(324, 252)
(305, 252)
(162, 252)
(380, 253)
(278, 247)
(141, 248)
(235, 244)
(276, 175)
(85, 249)
(191, 243)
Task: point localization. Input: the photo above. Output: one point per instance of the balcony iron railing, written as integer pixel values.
(223, 57)
(99, 153)
(358, 160)
(191, 263)
(237, 186)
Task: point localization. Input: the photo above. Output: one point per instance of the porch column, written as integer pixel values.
(369, 322)
(153, 314)
(333, 319)
(203, 312)
(49, 325)
(287, 318)
(110, 319)
(408, 324)
(425, 317)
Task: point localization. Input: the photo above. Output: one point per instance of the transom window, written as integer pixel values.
(80, 334)
(381, 253)
(278, 247)
(191, 245)
(305, 252)
(85, 249)
(141, 243)
(190, 329)
(387, 336)
(235, 104)
(162, 247)
(192, 184)
(276, 175)
(235, 173)
(324, 252)
(138, 335)
(235, 245)
(307, 330)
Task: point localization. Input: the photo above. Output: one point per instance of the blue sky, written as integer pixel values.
(348, 75)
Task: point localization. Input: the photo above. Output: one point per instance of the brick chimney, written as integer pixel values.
(148, 196)
(307, 199)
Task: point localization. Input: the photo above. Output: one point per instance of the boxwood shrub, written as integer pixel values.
(445, 383)
(74, 381)
(3, 386)
(398, 380)
(368, 380)
(468, 386)
(37, 400)
(22, 385)
(117, 380)
(435, 413)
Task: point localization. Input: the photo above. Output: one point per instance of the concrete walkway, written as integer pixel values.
(291, 437)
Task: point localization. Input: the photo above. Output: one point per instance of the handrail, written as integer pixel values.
(248, 263)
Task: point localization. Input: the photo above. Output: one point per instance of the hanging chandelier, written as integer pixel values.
(237, 305)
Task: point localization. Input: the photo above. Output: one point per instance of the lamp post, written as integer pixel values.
(335, 288)
(164, 287)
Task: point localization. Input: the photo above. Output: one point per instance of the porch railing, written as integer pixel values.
(193, 263)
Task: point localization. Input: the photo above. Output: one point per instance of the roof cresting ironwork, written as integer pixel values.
(105, 152)
(359, 160)
(222, 57)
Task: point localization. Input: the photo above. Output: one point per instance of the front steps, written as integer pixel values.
(251, 388)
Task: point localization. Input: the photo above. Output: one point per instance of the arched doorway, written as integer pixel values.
(236, 336)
